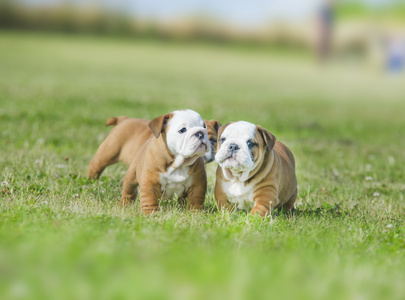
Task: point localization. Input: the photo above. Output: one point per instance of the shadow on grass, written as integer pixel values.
(326, 209)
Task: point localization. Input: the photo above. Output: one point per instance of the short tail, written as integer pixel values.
(115, 120)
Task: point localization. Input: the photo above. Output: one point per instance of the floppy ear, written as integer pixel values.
(215, 124)
(268, 138)
(221, 129)
(157, 125)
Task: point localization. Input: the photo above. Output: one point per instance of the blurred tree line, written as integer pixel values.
(68, 17)
(63, 17)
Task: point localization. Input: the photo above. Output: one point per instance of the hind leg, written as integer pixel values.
(107, 154)
(289, 205)
(129, 187)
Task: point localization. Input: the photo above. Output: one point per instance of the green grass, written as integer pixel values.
(359, 10)
(62, 236)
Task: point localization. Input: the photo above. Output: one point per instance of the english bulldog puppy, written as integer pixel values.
(128, 136)
(212, 129)
(255, 171)
(169, 162)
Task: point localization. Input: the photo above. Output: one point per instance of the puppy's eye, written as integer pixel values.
(250, 144)
(223, 140)
(183, 130)
(212, 141)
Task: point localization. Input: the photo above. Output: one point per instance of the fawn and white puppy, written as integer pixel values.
(128, 136)
(255, 171)
(169, 162)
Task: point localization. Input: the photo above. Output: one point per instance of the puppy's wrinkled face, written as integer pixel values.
(239, 150)
(212, 129)
(186, 134)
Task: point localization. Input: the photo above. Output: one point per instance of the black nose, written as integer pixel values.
(200, 135)
(233, 148)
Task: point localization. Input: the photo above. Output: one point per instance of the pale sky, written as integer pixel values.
(248, 13)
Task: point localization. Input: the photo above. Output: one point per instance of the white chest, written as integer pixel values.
(175, 182)
(239, 193)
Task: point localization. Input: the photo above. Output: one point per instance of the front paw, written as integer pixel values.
(261, 211)
(194, 206)
(150, 209)
(125, 201)
(225, 206)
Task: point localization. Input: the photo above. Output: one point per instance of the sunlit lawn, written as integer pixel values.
(62, 236)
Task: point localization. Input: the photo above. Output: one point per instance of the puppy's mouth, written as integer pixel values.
(228, 157)
(231, 173)
(203, 146)
(201, 149)
(233, 164)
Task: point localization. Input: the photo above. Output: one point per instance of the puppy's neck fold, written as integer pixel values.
(177, 162)
(263, 167)
(167, 158)
(232, 175)
(181, 161)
